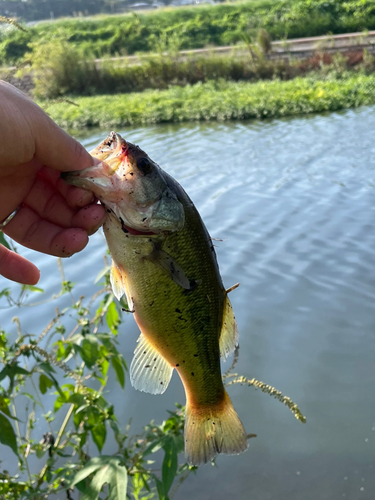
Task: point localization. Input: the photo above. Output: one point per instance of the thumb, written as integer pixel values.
(57, 149)
(39, 137)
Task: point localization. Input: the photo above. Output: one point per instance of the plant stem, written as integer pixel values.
(57, 442)
(63, 427)
(40, 402)
(20, 438)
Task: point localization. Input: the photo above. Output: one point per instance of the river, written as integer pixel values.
(293, 201)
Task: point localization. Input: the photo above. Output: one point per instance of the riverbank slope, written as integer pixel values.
(216, 101)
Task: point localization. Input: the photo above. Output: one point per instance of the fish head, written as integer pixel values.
(132, 186)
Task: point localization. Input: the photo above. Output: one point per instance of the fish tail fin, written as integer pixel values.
(212, 430)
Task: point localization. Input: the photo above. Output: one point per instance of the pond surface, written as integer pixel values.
(294, 202)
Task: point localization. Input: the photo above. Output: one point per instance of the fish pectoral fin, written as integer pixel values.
(149, 372)
(167, 264)
(229, 332)
(118, 284)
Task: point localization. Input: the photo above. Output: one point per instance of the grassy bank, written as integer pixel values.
(216, 101)
(58, 70)
(197, 26)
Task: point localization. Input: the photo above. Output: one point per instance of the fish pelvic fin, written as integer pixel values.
(229, 333)
(149, 372)
(118, 283)
(213, 430)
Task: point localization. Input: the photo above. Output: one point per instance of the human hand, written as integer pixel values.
(53, 217)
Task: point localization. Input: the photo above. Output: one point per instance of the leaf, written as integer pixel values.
(91, 466)
(99, 433)
(3, 241)
(30, 396)
(89, 351)
(170, 463)
(98, 481)
(5, 292)
(39, 450)
(44, 383)
(118, 482)
(47, 367)
(77, 399)
(60, 400)
(160, 488)
(112, 318)
(4, 405)
(104, 366)
(154, 447)
(7, 436)
(33, 288)
(104, 271)
(119, 370)
(12, 370)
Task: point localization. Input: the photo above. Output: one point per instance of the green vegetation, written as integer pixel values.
(56, 413)
(196, 26)
(64, 369)
(219, 100)
(58, 70)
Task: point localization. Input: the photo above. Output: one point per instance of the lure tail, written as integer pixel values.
(212, 430)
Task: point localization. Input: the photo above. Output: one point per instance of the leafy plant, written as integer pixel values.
(59, 69)
(69, 368)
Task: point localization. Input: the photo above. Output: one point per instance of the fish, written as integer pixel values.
(164, 262)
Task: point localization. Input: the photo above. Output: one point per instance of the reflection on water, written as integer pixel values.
(293, 200)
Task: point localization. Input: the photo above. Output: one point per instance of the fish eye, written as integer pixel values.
(145, 165)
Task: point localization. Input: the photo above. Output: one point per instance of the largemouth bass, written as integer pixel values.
(165, 263)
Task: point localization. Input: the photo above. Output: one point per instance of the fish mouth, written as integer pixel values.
(132, 187)
(128, 229)
(112, 145)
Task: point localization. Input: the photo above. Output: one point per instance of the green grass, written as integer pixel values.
(197, 26)
(216, 101)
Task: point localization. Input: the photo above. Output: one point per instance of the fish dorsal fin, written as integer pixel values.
(168, 264)
(118, 284)
(149, 372)
(229, 332)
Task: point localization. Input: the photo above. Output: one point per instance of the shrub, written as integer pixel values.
(59, 69)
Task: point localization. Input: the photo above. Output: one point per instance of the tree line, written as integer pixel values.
(33, 10)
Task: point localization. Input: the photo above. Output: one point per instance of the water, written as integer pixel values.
(293, 200)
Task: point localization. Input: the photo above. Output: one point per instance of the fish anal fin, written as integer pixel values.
(169, 265)
(119, 285)
(149, 372)
(213, 430)
(229, 332)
